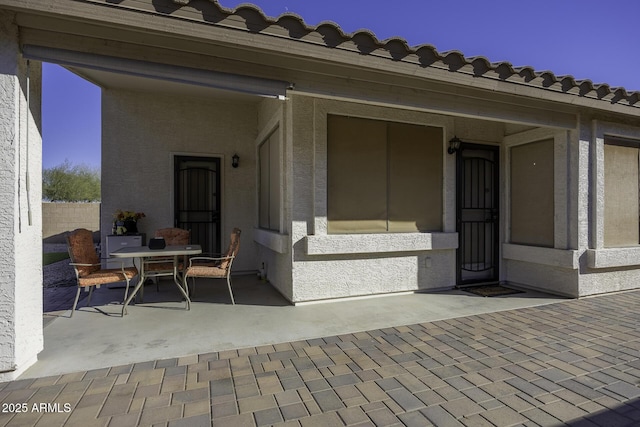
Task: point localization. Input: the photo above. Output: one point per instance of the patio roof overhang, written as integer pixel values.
(288, 43)
(167, 72)
(227, 50)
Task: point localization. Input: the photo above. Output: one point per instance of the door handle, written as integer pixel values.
(493, 217)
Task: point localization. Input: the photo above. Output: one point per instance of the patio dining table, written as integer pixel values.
(141, 253)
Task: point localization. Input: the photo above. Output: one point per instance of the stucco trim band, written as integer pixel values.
(379, 243)
(272, 240)
(546, 256)
(615, 257)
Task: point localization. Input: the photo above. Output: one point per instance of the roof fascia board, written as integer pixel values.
(382, 88)
(459, 82)
(274, 49)
(257, 61)
(305, 55)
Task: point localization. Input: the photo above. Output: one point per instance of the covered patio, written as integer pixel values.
(160, 328)
(308, 111)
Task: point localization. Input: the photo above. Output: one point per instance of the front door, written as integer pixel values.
(197, 200)
(477, 213)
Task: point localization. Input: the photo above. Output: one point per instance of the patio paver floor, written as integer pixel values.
(575, 362)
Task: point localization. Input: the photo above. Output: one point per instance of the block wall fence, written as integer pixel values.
(59, 218)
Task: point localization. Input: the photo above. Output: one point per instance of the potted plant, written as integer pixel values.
(126, 222)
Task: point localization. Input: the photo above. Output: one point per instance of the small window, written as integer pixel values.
(269, 182)
(532, 194)
(383, 176)
(621, 226)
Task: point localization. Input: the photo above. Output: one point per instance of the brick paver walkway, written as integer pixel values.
(575, 362)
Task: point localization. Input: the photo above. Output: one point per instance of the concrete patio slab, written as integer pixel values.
(97, 336)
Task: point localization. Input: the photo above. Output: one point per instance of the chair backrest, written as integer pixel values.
(82, 251)
(234, 247)
(174, 236)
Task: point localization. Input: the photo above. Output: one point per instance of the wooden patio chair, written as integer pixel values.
(215, 267)
(163, 266)
(89, 273)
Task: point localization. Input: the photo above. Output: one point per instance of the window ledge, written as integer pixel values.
(563, 258)
(335, 244)
(613, 257)
(271, 239)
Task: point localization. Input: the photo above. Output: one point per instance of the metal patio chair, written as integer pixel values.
(88, 269)
(164, 266)
(215, 267)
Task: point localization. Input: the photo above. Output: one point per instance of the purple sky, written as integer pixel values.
(589, 39)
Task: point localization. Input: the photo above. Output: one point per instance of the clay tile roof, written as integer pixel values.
(397, 49)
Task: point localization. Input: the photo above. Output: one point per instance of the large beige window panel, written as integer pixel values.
(621, 226)
(415, 184)
(532, 194)
(383, 176)
(269, 177)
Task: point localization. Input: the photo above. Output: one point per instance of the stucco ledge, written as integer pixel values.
(613, 257)
(271, 239)
(335, 244)
(563, 258)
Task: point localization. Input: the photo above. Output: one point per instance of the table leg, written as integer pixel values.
(140, 296)
(178, 284)
(139, 285)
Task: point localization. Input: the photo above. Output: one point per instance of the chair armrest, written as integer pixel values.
(82, 265)
(77, 264)
(208, 259)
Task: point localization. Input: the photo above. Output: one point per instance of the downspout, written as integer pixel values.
(27, 168)
(18, 147)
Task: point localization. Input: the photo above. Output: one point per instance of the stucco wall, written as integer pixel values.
(404, 262)
(274, 247)
(550, 269)
(141, 132)
(20, 211)
(59, 218)
(593, 282)
(541, 277)
(602, 269)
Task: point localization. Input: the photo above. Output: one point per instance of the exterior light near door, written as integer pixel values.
(235, 159)
(454, 145)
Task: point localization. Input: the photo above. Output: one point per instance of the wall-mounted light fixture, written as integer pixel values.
(454, 145)
(235, 160)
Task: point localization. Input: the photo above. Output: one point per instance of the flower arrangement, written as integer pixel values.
(121, 215)
(124, 222)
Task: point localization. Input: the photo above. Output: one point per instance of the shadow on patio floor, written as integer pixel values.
(160, 328)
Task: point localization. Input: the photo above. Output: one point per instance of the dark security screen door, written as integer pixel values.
(477, 213)
(197, 200)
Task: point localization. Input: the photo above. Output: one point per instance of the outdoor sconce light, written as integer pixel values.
(454, 145)
(234, 160)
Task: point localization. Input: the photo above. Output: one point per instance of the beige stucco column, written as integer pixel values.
(21, 336)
